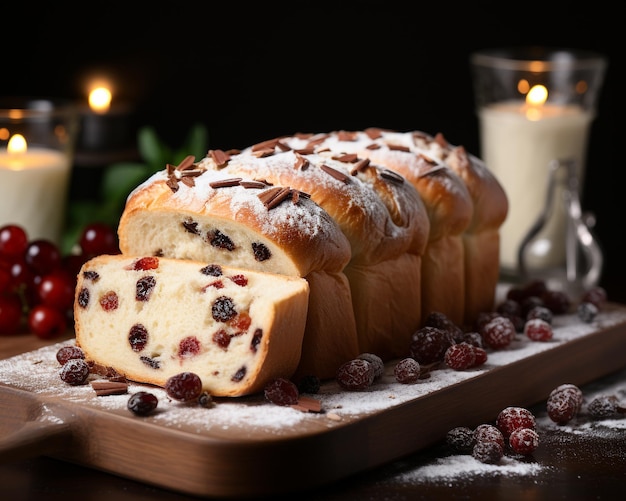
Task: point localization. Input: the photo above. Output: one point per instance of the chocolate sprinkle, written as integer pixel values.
(340, 176)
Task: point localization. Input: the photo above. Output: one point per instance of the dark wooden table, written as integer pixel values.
(575, 462)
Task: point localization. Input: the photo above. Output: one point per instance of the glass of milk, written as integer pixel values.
(37, 140)
(535, 106)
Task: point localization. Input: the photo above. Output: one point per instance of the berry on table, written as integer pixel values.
(512, 418)
(356, 374)
(488, 452)
(407, 371)
(460, 356)
(538, 329)
(524, 441)
(281, 391)
(75, 372)
(461, 439)
(185, 386)
(142, 403)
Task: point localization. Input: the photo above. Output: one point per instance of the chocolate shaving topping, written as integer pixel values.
(398, 147)
(186, 163)
(303, 135)
(188, 181)
(103, 388)
(426, 159)
(309, 150)
(270, 144)
(374, 133)
(253, 184)
(274, 196)
(347, 157)
(346, 136)
(225, 183)
(318, 140)
(282, 146)
(391, 176)
(187, 170)
(266, 152)
(221, 158)
(373, 146)
(432, 169)
(301, 162)
(360, 166)
(172, 182)
(340, 176)
(441, 140)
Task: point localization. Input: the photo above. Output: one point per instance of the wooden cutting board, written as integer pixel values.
(248, 446)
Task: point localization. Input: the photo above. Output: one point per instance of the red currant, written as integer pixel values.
(46, 322)
(98, 238)
(10, 314)
(56, 289)
(42, 256)
(13, 240)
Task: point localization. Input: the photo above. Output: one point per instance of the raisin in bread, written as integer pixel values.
(384, 220)
(151, 318)
(211, 216)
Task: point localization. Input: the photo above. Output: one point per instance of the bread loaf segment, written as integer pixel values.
(218, 219)
(221, 220)
(153, 318)
(444, 194)
(382, 216)
(482, 238)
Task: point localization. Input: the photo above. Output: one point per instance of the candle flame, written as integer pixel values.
(17, 144)
(537, 95)
(535, 99)
(100, 99)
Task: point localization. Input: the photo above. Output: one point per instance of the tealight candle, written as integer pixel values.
(535, 106)
(35, 172)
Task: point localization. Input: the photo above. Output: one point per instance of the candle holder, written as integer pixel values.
(37, 140)
(582, 254)
(535, 105)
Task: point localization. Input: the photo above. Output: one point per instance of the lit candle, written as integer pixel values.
(105, 123)
(518, 142)
(33, 187)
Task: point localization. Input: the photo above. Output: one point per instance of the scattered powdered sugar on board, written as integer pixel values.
(464, 466)
(38, 372)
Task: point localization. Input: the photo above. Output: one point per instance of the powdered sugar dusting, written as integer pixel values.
(453, 467)
(38, 372)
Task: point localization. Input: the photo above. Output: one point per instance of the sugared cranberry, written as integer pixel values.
(281, 391)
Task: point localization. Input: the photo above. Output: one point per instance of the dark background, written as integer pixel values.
(250, 72)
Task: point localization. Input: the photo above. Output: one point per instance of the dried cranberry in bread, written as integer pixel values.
(383, 218)
(151, 318)
(444, 194)
(191, 213)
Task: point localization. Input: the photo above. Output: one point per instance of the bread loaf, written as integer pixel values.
(151, 318)
(215, 218)
(383, 218)
(445, 196)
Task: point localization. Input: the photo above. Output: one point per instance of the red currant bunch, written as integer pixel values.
(37, 282)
